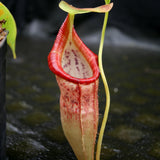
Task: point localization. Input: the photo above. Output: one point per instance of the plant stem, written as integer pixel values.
(71, 24)
(100, 138)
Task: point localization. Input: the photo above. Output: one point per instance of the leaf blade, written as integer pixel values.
(10, 25)
(73, 10)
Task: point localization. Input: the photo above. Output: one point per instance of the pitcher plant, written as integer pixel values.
(77, 71)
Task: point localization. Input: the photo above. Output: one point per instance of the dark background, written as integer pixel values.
(133, 71)
(136, 18)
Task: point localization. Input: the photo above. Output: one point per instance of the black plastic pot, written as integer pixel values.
(3, 47)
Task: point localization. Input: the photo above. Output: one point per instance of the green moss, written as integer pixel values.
(12, 129)
(44, 98)
(149, 120)
(36, 118)
(119, 108)
(35, 78)
(14, 107)
(108, 153)
(12, 83)
(18, 106)
(137, 99)
(157, 108)
(128, 85)
(56, 108)
(153, 92)
(25, 148)
(26, 90)
(155, 150)
(55, 135)
(127, 134)
(9, 97)
(50, 84)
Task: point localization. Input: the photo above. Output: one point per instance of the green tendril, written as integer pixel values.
(105, 117)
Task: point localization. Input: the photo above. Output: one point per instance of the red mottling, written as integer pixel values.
(69, 62)
(83, 66)
(55, 56)
(77, 69)
(76, 61)
(74, 52)
(79, 98)
(67, 53)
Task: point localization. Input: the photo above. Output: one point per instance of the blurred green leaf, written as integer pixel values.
(10, 26)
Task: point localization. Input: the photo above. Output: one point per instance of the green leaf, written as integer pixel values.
(73, 10)
(107, 1)
(10, 26)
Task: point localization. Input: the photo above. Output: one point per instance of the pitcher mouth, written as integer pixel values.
(71, 59)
